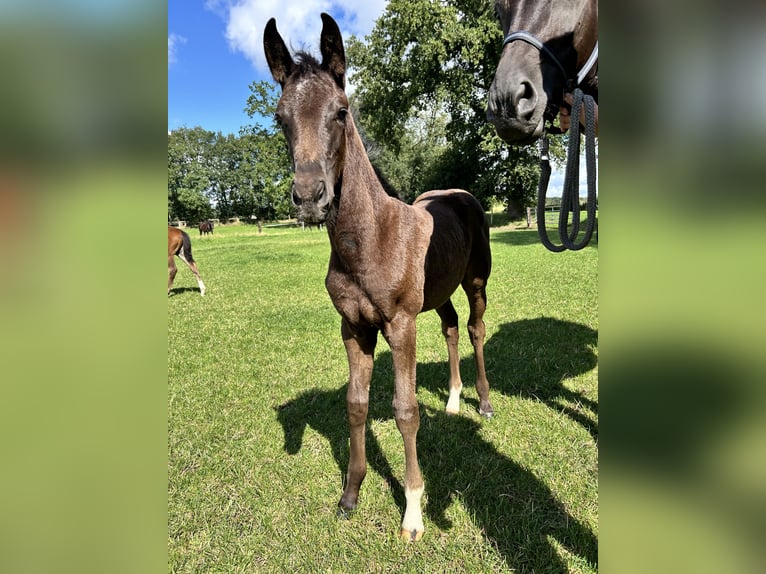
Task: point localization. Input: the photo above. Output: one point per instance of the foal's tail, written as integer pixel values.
(187, 247)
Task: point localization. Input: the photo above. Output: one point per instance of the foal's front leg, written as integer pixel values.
(360, 348)
(400, 335)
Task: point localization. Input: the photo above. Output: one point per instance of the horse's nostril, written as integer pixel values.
(529, 90)
(526, 99)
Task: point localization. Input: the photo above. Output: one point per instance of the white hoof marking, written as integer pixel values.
(413, 518)
(453, 403)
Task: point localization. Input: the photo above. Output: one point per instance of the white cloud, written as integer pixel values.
(298, 22)
(174, 40)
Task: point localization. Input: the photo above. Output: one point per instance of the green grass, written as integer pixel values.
(258, 439)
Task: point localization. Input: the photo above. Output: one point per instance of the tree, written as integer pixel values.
(422, 79)
(268, 166)
(188, 173)
(224, 164)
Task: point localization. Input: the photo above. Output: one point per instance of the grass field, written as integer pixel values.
(258, 439)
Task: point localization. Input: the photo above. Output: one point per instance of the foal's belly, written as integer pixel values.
(437, 293)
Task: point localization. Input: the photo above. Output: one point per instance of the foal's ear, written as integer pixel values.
(277, 55)
(333, 55)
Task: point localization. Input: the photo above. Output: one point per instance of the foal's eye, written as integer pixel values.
(341, 115)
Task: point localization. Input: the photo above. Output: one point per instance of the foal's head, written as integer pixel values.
(312, 112)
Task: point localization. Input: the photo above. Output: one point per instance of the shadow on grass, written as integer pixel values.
(516, 236)
(531, 358)
(509, 504)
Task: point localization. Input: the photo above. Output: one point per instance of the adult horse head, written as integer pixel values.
(549, 48)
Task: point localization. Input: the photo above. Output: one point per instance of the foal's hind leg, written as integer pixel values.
(172, 270)
(450, 331)
(477, 301)
(193, 266)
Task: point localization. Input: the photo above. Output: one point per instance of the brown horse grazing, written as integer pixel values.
(205, 227)
(180, 244)
(550, 48)
(389, 261)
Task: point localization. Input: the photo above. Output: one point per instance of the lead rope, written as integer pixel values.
(570, 200)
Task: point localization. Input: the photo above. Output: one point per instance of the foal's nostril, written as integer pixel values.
(312, 191)
(321, 191)
(296, 198)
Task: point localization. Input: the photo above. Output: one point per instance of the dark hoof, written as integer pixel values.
(410, 535)
(344, 513)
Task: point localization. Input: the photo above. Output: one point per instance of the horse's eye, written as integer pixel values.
(341, 115)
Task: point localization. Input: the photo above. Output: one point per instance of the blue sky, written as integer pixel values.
(207, 81)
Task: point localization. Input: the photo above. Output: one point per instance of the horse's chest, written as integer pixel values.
(373, 304)
(351, 301)
(359, 310)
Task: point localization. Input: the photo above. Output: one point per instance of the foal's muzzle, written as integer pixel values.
(311, 194)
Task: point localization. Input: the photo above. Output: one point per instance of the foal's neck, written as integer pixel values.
(361, 194)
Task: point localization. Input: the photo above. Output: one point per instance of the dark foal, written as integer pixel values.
(389, 261)
(180, 244)
(205, 227)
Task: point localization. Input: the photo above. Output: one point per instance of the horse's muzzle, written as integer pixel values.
(516, 101)
(514, 131)
(312, 196)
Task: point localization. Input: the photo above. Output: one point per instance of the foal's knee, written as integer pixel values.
(477, 331)
(451, 333)
(357, 412)
(407, 417)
